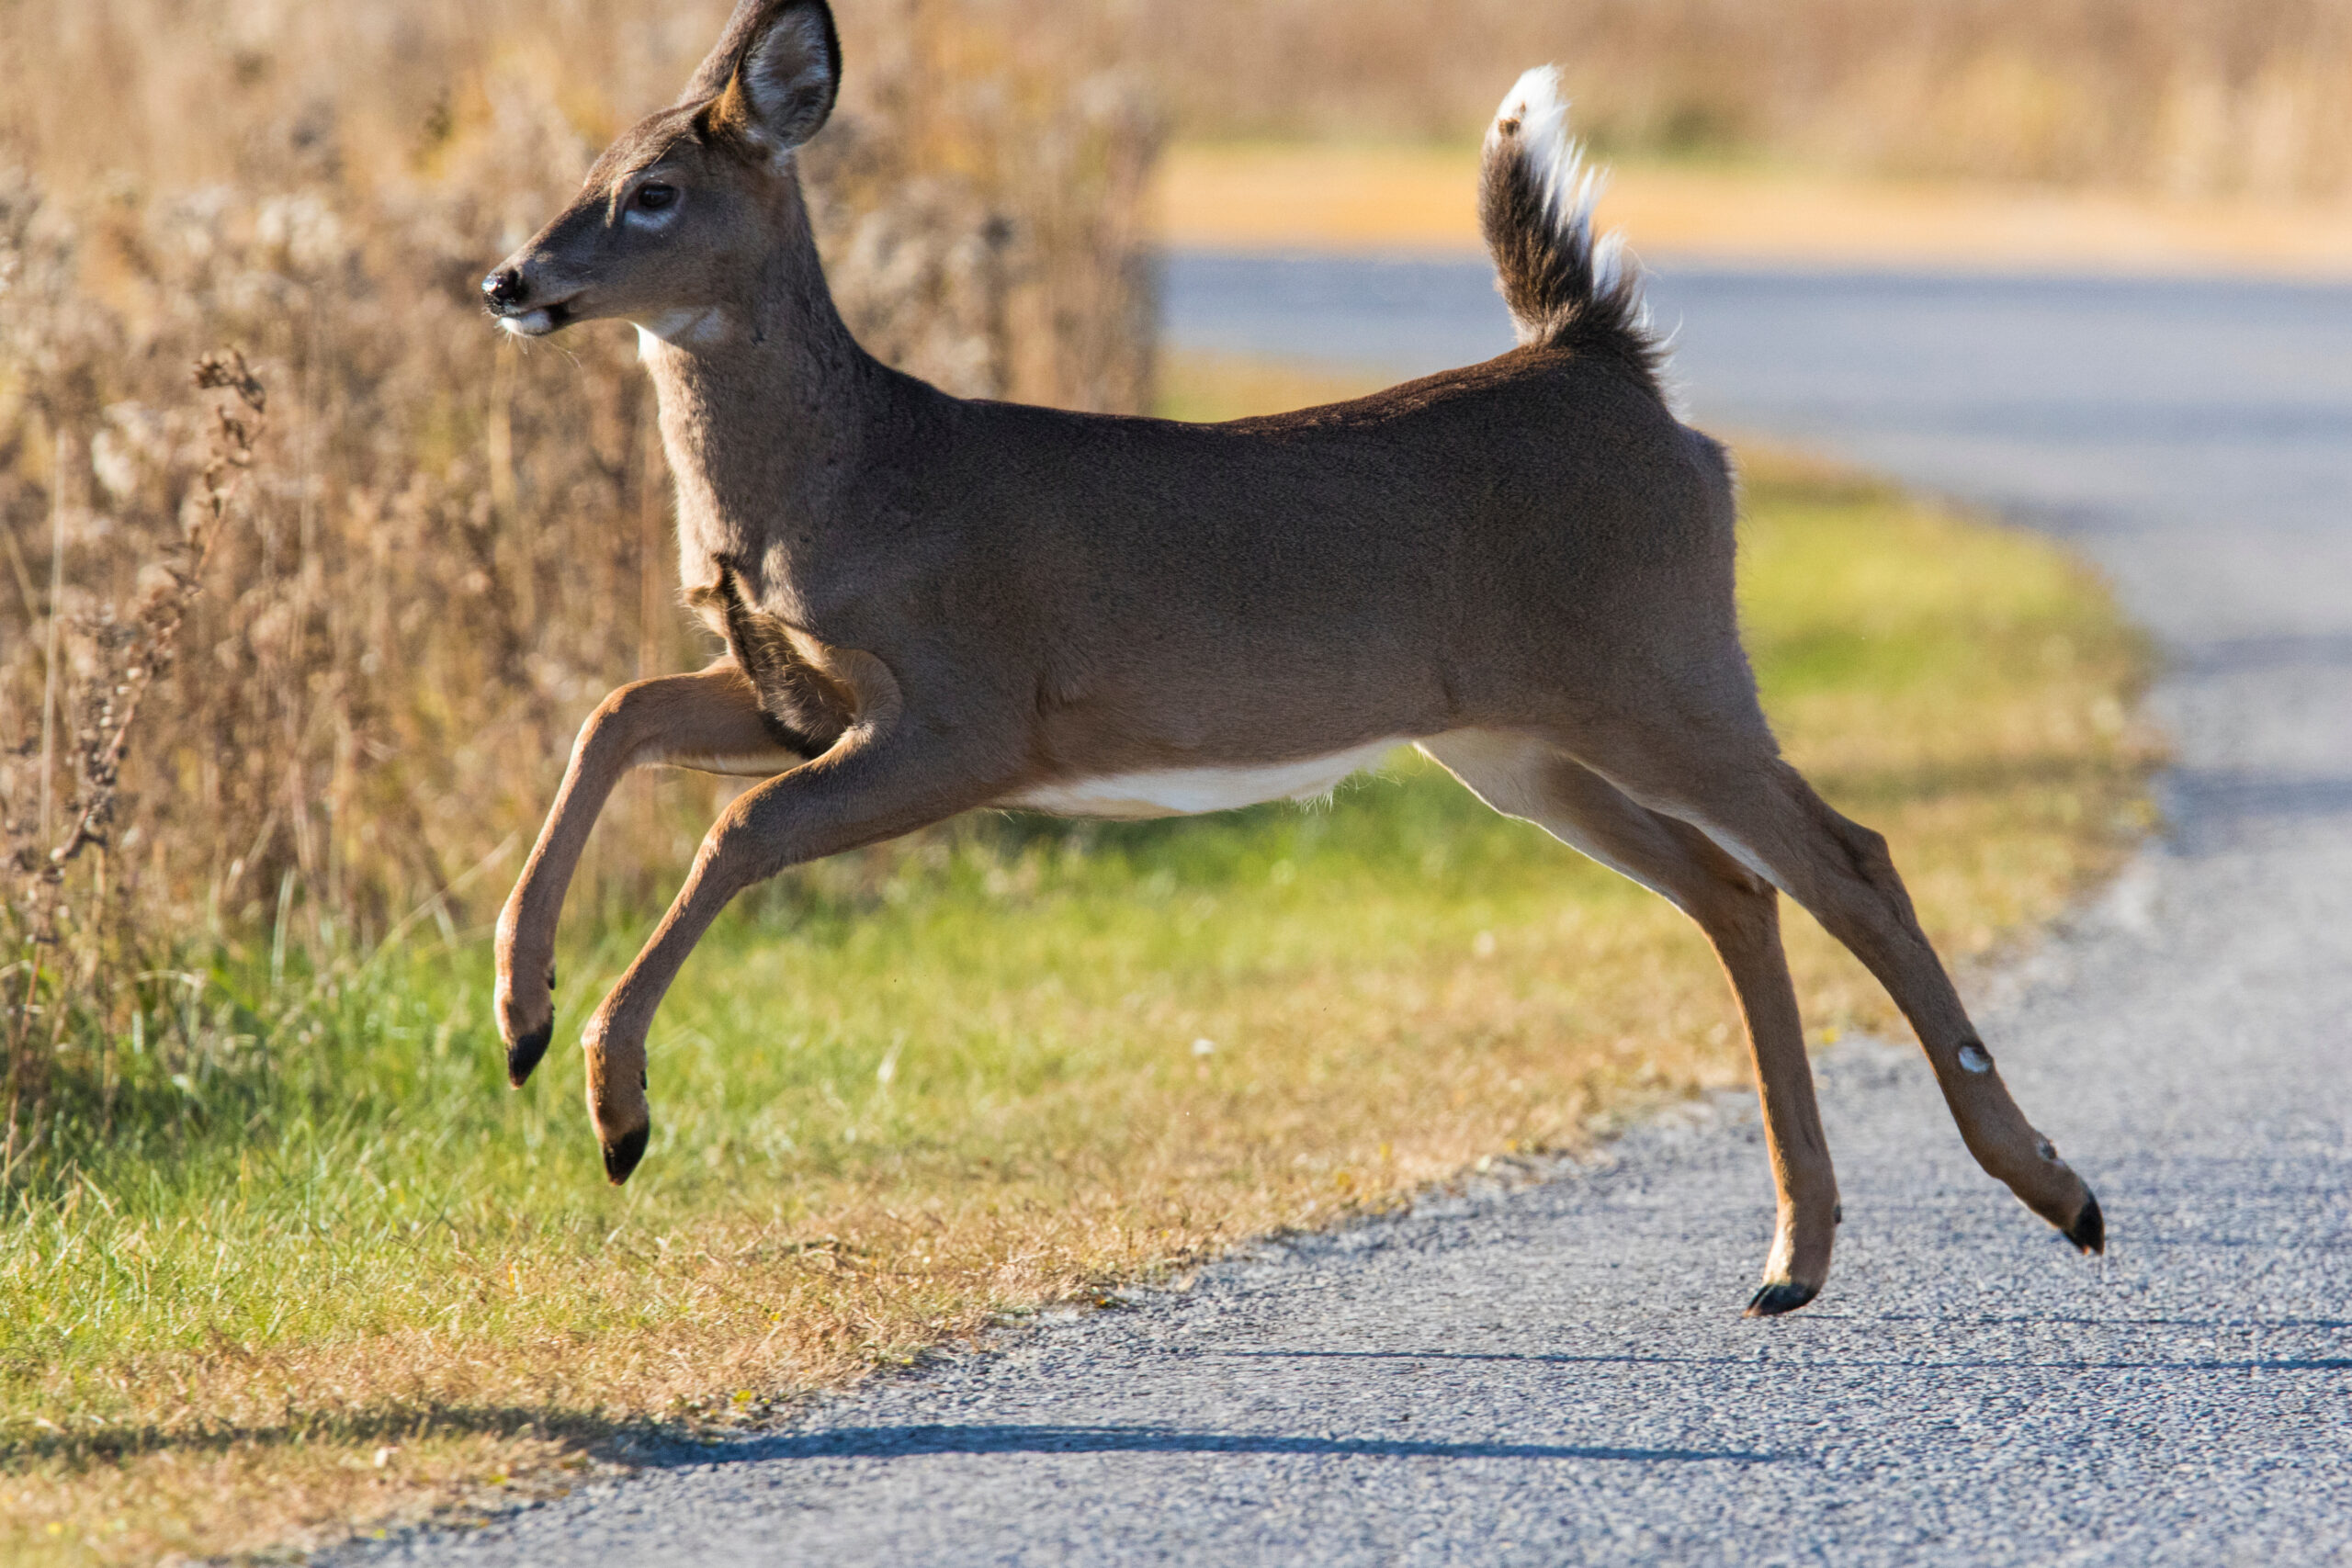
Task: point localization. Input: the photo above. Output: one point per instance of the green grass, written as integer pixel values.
(339, 1269)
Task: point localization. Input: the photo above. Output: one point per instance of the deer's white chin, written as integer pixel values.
(530, 323)
(679, 329)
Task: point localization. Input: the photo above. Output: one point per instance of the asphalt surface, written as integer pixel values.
(1557, 1374)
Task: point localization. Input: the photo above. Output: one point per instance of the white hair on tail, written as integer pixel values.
(1539, 110)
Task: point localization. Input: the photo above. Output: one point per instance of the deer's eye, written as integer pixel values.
(653, 197)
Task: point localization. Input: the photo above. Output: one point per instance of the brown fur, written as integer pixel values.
(1528, 565)
(803, 711)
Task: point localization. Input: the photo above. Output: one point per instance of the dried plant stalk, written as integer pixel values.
(61, 964)
(146, 650)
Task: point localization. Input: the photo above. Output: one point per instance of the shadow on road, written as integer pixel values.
(2263, 655)
(2278, 1364)
(2217, 797)
(894, 1442)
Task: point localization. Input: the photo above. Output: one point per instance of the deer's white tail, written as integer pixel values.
(1536, 195)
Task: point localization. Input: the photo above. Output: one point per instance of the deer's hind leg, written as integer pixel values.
(1739, 913)
(710, 721)
(1729, 780)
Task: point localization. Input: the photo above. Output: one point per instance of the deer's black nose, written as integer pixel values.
(504, 287)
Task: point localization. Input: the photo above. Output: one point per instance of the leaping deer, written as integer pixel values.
(929, 606)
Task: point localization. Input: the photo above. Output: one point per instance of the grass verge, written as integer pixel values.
(343, 1275)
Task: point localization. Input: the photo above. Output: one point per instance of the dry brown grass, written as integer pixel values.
(2189, 96)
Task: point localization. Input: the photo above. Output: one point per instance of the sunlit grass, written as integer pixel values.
(1016, 1063)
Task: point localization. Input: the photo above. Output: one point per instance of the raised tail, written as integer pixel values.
(1565, 289)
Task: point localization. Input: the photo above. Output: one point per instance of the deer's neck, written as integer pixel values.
(767, 404)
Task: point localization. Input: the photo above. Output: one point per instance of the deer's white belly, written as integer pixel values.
(738, 764)
(1188, 791)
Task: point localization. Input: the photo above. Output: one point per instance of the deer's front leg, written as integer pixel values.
(709, 720)
(871, 786)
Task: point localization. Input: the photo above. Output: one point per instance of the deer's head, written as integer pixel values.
(678, 218)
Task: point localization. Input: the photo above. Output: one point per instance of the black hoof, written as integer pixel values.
(524, 1053)
(623, 1153)
(2088, 1232)
(1774, 1300)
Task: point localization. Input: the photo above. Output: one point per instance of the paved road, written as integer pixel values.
(1557, 1375)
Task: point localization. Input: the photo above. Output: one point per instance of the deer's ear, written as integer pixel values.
(782, 89)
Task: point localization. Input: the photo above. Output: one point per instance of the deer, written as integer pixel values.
(930, 605)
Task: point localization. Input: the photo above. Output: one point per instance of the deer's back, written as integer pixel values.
(1408, 556)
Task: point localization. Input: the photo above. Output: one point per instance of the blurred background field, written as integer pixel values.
(2191, 98)
(2132, 135)
(1385, 200)
(272, 1217)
